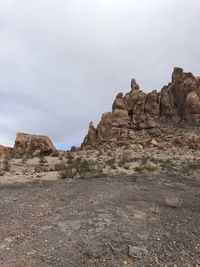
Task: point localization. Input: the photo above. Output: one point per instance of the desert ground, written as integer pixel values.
(147, 217)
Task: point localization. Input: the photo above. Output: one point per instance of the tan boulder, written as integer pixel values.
(32, 145)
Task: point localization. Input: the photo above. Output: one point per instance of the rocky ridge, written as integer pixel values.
(178, 104)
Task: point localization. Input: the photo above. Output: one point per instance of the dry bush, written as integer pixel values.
(2, 172)
(146, 168)
(173, 201)
(111, 163)
(155, 209)
(79, 167)
(42, 160)
(6, 164)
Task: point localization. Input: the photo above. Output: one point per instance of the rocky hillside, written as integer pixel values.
(178, 103)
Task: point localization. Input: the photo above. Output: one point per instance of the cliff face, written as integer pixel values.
(176, 103)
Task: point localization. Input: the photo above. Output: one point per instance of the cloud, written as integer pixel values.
(62, 62)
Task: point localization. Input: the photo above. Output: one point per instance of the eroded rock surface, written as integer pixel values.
(177, 103)
(33, 145)
(4, 150)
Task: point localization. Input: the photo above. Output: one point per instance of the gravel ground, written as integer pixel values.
(139, 220)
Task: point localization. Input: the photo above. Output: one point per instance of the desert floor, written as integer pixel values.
(138, 220)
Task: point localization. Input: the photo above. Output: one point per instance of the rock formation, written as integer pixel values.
(176, 103)
(4, 150)
(33, 145)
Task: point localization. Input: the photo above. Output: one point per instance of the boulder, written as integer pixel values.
(32, 145)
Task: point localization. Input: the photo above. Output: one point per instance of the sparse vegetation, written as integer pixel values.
(2, 172)
(59, 166)
(6, 163)
(42, 160)
(111, 163)
(124, 160)
(192, 166)
(79, 167)
(146, 168)
(173, 201)
(24, 159)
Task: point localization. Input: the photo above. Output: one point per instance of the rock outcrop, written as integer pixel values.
(33, 145)
(176, 103)
(5, 150)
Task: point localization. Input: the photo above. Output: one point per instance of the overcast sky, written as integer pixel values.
(63, 61)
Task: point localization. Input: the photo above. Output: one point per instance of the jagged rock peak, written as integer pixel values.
(178, 102)
(134, 85)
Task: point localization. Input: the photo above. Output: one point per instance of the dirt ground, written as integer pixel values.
(139, 220)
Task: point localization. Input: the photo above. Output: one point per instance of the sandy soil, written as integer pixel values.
(138, 220)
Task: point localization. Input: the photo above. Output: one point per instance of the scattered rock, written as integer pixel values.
(154, 142)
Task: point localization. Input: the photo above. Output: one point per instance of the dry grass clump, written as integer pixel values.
(112, 163)
(173, 201)
(193, 166)
(146, 168)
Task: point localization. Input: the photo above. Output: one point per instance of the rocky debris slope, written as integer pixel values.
(33, 145)
(178, 103)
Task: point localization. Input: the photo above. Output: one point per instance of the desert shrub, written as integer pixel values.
(55, 154)
(67, 172)
(194, 166)
(122, 161)
(145, 168)
(2, 172)
(42, 160)
(173, 201)
(75, 167)
(59, 166)
(109, 153)
(69, 157)
(110, 162)
(24, 159)
(81, 166)
(6, 164)
(41, 168)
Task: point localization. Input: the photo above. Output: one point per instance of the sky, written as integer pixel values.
(63, 61)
